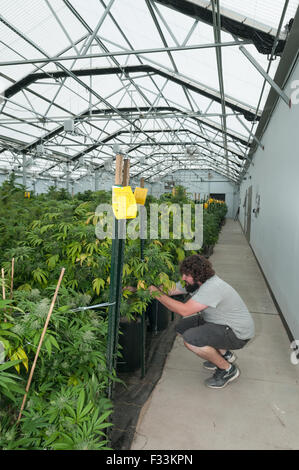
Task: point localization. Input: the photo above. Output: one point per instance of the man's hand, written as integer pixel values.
(130, 288)
(153, 289)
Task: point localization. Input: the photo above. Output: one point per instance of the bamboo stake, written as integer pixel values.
(12, 275)
(3, 291)
(40, 344)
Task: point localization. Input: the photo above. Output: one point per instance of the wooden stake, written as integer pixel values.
(40, 344)
(3, 285)
(3, 291)
(12, 276)
(141, 182)
(118, 169)
(126, 178)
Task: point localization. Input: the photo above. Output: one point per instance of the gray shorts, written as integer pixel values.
(199, 333)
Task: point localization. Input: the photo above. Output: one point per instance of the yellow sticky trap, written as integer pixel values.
(140, 195)
(123, 202)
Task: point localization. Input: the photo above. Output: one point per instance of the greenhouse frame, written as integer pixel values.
(193, 105)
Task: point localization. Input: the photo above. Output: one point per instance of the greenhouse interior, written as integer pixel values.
(149, 225)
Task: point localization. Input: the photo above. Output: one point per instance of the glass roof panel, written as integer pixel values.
(264, 11)
(177, 91)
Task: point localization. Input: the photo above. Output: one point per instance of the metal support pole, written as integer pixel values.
(267, 77)
(126, 52)
(115, 284)
(143, 323)
(217, 37)
(95, 31)
(250, 133)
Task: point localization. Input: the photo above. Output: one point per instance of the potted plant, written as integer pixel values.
(139, 275)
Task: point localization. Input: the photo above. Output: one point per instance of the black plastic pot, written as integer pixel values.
(131, 343)
(208, 250)
(158, 316)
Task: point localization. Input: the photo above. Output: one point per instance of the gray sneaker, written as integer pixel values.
(229, 356)
(222, 377)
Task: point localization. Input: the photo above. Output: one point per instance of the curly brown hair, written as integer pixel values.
(198, 267)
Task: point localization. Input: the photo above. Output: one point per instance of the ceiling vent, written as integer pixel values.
(69, 126)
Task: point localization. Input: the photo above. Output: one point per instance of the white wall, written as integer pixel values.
(274, 234)
(105, 181)
(41, 185)
(197, 181)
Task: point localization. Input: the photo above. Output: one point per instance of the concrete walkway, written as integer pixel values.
(260, 410)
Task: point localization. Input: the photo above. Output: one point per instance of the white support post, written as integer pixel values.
(96, 180)
(68, 177)
(24, 171)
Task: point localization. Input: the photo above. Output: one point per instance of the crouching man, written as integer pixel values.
(215, 320)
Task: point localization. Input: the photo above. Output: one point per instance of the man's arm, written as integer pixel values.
(174, 291)
(183, 309)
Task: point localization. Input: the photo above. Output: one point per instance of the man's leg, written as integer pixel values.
(210, 354)
(187, 323)
(225, 371)
(216, 335)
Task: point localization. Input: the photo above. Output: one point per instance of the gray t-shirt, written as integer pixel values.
(225, 306)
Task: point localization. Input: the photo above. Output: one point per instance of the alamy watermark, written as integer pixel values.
(2, 353)
(295, 93)
(295, 353)
(187, 224)
(1, 90)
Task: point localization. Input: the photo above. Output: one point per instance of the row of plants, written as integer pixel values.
(213, 219)
(67, 406)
